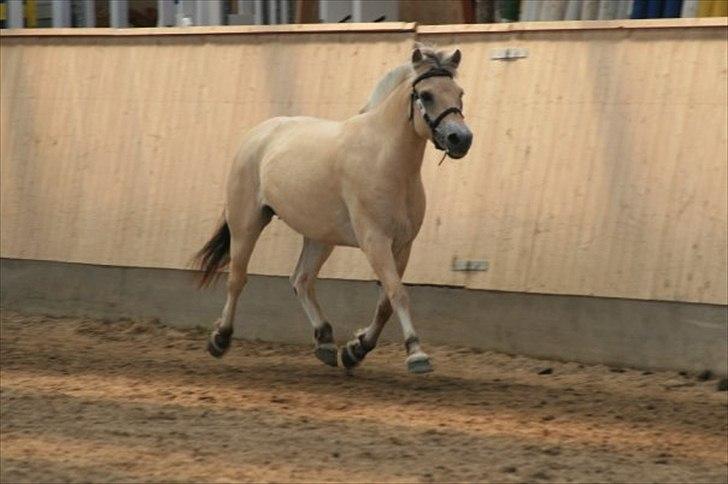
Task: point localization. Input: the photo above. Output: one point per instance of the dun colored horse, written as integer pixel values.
(353, 183)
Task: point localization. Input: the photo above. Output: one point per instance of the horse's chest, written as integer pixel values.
(402, 216)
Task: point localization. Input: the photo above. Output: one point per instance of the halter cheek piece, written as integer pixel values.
(415, 99)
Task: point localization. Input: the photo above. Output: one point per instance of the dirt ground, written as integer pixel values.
(86, 400)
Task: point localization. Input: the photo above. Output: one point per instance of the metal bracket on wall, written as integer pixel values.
(469, 265)
(508, 53)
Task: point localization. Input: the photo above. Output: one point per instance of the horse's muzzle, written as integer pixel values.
(457, 141)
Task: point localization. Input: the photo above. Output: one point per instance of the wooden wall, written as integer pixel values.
(598, 166)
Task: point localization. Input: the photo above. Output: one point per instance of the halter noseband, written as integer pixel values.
(415, 98)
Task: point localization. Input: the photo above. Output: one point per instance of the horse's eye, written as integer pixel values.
(426, 96)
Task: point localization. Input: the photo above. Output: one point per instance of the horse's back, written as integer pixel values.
(282, 134)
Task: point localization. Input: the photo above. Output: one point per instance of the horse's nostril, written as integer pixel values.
(453, 139)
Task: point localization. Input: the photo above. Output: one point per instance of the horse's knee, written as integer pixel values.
(398, 297)
(300, 283)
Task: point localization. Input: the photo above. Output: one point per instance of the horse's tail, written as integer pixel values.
(215, 255)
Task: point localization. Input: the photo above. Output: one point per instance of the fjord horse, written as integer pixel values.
(352, 183)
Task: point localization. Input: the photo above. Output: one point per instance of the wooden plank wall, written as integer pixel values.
(598, 166)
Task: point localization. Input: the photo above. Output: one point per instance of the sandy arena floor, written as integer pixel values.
(134, 401)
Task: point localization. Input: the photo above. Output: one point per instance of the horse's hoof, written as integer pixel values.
(352, 354)
(218, 344)
(347, 357)
(419, 363)
(328, 353)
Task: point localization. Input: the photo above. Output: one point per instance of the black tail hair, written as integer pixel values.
(215, 255)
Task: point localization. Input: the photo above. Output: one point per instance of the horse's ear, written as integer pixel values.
(454, 60)
(416, 55)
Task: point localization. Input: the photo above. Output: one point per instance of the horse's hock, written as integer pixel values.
(597, 208)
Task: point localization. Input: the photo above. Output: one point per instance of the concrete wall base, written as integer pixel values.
(640, 334)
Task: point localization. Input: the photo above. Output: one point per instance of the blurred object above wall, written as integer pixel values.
(168, 13)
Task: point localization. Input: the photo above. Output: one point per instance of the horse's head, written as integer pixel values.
(437, 100)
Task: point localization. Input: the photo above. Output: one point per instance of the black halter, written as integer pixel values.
(415, 96)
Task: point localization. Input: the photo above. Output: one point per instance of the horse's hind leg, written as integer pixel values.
(244, 233)
(313, 256)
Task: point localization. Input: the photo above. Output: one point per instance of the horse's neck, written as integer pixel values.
(404, 147)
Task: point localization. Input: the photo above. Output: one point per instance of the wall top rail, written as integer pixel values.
(214, 30)
(577, 25)
(568, 25)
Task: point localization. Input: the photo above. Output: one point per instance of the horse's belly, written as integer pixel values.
(309, 204)
(330, 225)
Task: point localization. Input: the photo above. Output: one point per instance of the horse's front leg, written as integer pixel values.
(365, 340)
(378, 249)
